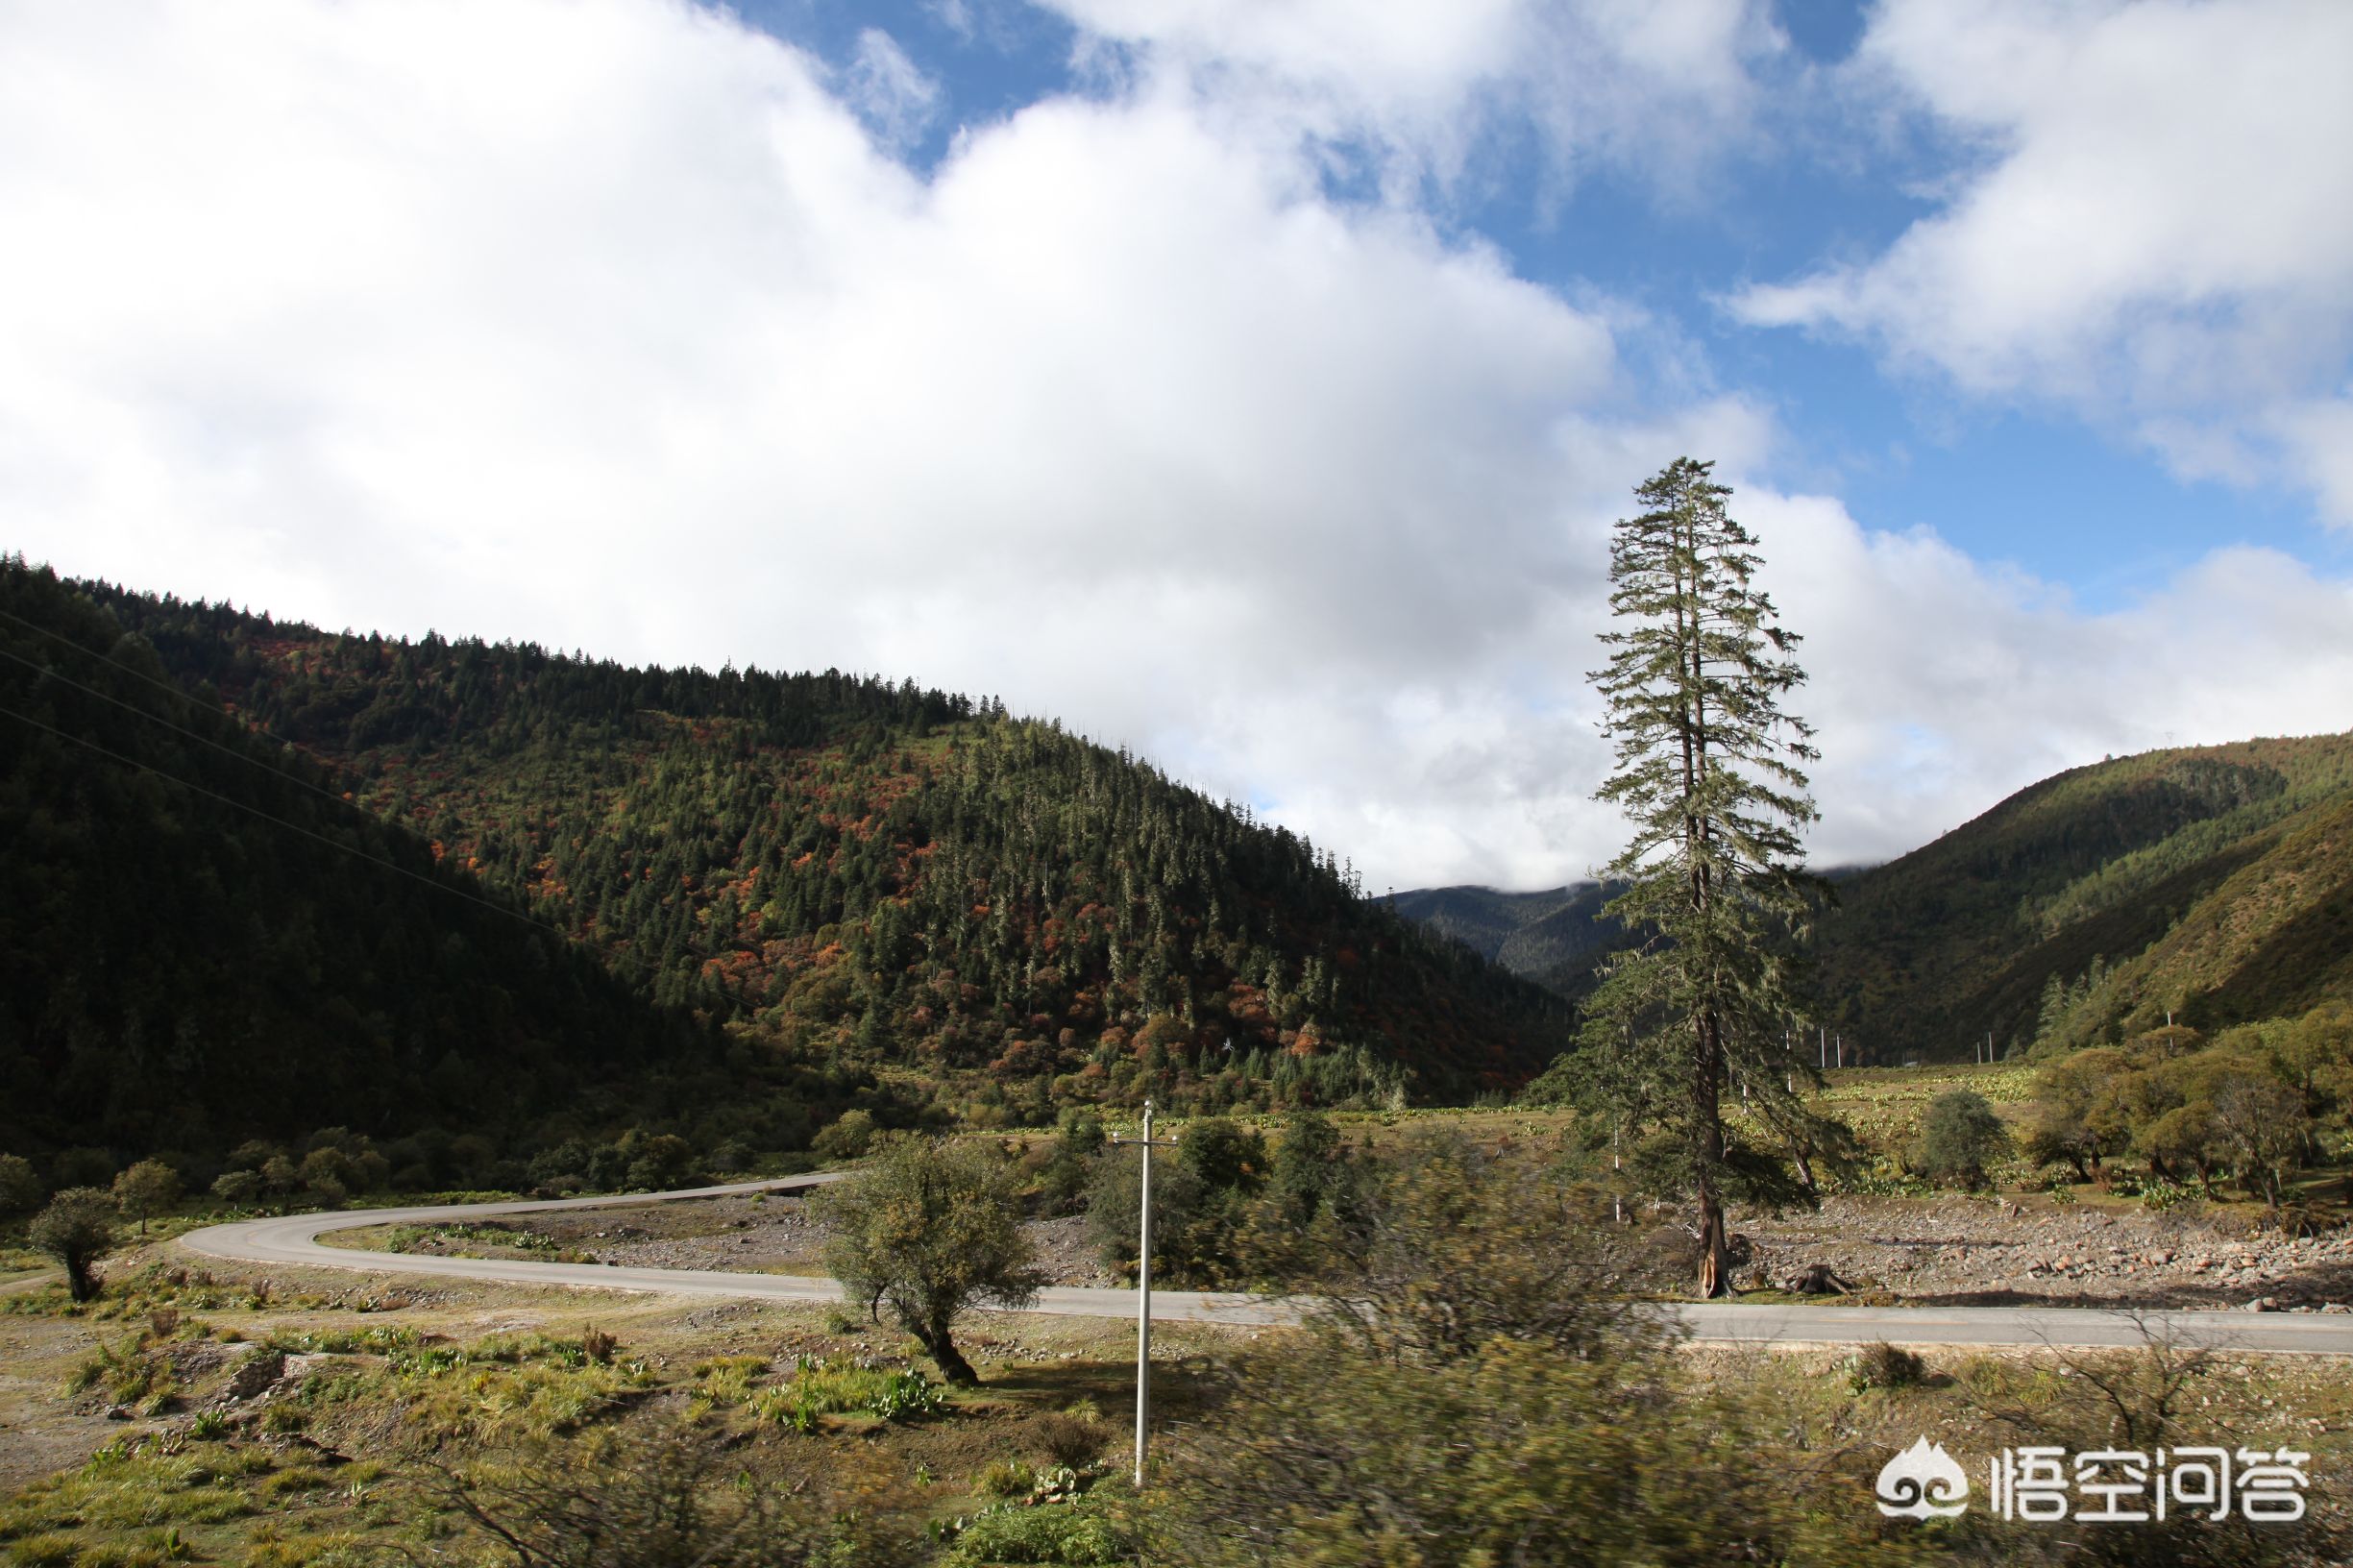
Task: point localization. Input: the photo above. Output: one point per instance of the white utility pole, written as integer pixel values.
(1143, 1287)
(1617, 1200)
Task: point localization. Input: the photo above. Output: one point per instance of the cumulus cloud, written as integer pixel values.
(2150, 224)
(615, 325)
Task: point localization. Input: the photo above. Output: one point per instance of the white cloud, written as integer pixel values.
(2150, 224)
(891, 91)
(613, 324)
(1414, 87)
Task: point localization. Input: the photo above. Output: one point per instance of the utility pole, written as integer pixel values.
(1143, 1287)
(1617, 1198)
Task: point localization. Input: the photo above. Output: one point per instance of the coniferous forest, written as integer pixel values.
(458, 890)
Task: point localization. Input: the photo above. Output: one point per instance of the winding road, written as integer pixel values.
(293, 1239)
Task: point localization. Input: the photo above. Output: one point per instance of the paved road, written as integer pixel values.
(293, 1239)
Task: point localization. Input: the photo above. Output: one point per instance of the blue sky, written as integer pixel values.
(1248, 381)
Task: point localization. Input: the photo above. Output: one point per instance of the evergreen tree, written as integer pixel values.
(1709, 774)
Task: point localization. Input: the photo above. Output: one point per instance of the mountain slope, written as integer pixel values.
(2210, 881)
(859, 873)
(1553, 938)
(200, 944)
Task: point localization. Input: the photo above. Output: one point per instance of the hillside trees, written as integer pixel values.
(2256, 1102)
(202, 943)
(854, 872)
(1709, 774)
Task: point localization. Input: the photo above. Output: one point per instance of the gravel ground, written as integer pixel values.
(1951, 1251)
(1968, 1251)
(778, 1236)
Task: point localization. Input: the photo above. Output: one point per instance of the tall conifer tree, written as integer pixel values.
(1709, 773)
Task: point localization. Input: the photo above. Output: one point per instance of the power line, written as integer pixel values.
(256, 811)
(225, 750)
(173, 688)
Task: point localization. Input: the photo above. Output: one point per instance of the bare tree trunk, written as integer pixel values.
(942, 1350)
(1715, 1245)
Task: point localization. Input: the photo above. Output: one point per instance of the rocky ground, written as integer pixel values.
(2028, 1251)
(1949, 1251)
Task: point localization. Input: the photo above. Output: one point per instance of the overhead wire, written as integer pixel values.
(169, 688)
(532, 922)
(225, 750)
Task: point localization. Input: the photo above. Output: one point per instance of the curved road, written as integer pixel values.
(293, 1239)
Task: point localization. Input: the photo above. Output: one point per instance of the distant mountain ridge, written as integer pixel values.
(1552, 937)
(2210, 883)
(2214, 883)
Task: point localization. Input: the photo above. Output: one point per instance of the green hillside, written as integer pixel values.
(201, 945)
(870, 877)
(2215, 882)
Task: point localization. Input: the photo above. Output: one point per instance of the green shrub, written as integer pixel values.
(1052, 1532)
(1007, 1478)
(77, 1228)
(1960, 1135)
(820, 1387)
(849, 1137)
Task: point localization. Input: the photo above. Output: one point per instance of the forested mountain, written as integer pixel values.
(840, 871)
(1554, 938)
(2216, 883)
(200, 944)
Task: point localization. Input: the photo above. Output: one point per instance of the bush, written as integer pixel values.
(77, 1228)
(1448, 1246)
(1960, 1135)
(1883, 1365)
(821, 1388)
(1061, 1181)
(1052, 1532)
(1114, 1191)
(847, 1138)
(1518, 1455)
(20, 1189)
(238, 1189)
(662, 1499)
